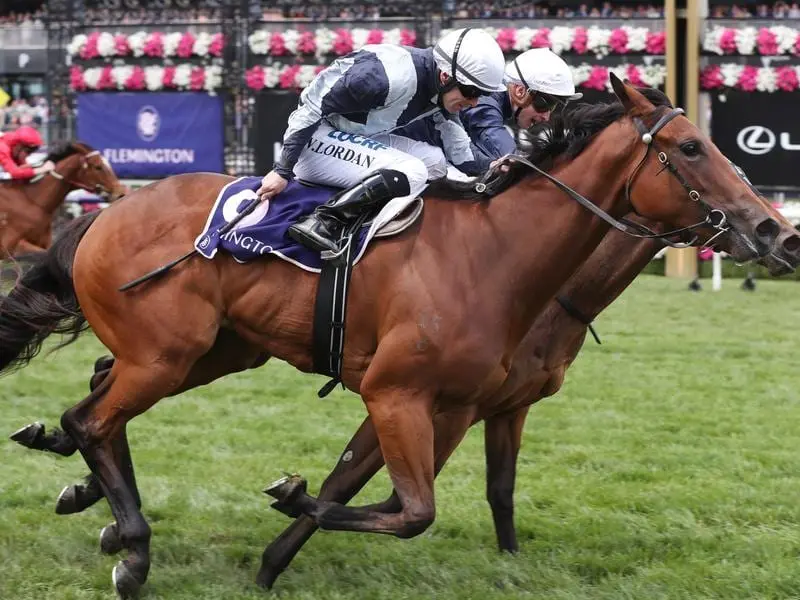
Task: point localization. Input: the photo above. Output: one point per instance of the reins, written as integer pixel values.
(98, 188)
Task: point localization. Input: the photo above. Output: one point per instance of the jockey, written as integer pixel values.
(15, 147)
(340, 134)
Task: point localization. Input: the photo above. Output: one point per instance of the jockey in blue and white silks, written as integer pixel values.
(537, 81)
(343, 131)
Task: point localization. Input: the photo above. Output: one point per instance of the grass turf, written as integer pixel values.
(666, 468)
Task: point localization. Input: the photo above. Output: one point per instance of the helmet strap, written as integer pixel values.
(453, 82)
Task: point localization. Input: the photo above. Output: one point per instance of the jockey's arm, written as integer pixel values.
(13, 169)
(459, 149)
(486, 128)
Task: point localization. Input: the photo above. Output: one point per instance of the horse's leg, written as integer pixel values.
(503, 436)
(358, 463)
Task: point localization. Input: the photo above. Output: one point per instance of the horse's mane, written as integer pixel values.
(565, 136)
(61, 150)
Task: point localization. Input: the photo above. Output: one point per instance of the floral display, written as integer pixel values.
(324, 41)
(750, 78)
(151, 78)
(764, 41)
(146, 44)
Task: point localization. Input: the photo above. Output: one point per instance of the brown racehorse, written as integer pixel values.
(27, 208)
(441, 309)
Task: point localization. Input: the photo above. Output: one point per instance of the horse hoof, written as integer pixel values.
(67, 501)
(287, 489)
(103, 363)
(125, 583)
(266, 577)
(288, 509)
(110, 543)
(29, 435)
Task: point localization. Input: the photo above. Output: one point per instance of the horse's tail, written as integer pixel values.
(43, 301)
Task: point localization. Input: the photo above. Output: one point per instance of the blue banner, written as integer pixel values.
(153, 135)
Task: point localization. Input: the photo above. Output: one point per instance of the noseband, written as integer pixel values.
(98, 188)
(715, 218)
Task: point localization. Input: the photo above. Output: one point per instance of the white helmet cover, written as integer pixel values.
(541, 70)
(475, 57)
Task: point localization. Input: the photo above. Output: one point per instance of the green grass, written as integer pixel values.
(666, 468)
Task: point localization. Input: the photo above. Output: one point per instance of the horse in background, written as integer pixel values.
(27, 208)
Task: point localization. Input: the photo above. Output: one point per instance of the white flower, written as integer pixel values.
(121, 74)
(259, 42)
(92, 76)
(201, 44)
(730, 74)
(746, 40)
(524, 38)
(136, 42)
(711, 40)
(305, 76)
(171, 41)
(637, 38)
(213, 79)
(272, 75)
(597, 40)
(766, 80)
(785, 36)
(359, 38)
(620, 71)
(154, 78)
(183, 75)
(561, 38)
(324, 39)
(105, 44)
(290, 39)
(76, 44)
(580, 73)
(653, 75)
(392, 36)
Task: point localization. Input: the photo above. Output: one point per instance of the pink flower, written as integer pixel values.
(408, 37)
(766, 42)
(375, 36)
(787, 79)
(711, 78)
(541, 39)
(307, 44)
(106, 81)
(277, 45)
(197, 78)
(727, 41)
(154, 45)
(169, 76)
(506, 38)
(797, 45)
(121, 45)
(656, 42)
(580, 40)
(598, 77)
(287, 80)
(185, 46)
(136, 80)
(633, 75)
(216, 45)
(254, 78)
(747, 79)
(89, 49)
(343, 43)
(76, 81)
(618, 41)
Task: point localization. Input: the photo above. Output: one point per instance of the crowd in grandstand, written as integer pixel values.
(779, 10)
(20, 112)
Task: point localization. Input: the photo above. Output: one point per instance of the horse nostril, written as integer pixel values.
(768, 230)
(792, 245)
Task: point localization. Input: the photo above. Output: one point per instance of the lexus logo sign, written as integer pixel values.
(757, 140)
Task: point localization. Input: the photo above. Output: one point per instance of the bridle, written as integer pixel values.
(98, 188)
(715, 218)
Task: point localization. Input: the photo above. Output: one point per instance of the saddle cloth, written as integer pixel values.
(264, 230)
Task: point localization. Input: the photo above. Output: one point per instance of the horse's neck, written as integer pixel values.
(49, 192)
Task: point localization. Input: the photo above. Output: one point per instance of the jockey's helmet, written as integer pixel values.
(472, 59)
(28, 137)
(542, 72)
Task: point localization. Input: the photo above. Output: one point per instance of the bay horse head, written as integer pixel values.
(83, 167)
(682, 179)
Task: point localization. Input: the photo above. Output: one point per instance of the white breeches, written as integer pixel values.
(340, 159)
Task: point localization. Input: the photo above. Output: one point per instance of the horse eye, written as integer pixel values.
(690, 149)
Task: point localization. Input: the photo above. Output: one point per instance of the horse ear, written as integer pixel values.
(630, 97)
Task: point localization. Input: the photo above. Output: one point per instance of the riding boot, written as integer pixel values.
(321, 229)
